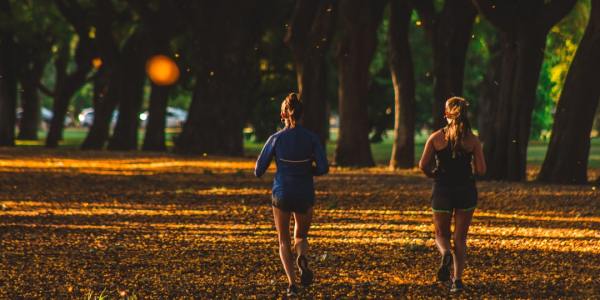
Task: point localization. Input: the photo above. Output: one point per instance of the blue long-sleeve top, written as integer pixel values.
(299, 156)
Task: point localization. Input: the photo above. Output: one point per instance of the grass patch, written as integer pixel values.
(73, 137)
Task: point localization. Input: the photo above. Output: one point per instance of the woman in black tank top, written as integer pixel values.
(457, 153)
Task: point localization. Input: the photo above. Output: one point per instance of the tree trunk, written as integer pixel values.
(308, 37)
(160, 26)
(125, 135)
(106, 93)
(122, 74)
(65, 87)
(567, 157)
(359, 20)
(450, 34)
(451, 41)
(490, 88)
(154, 140)
(30, 101)
(524, 26)
(225, 68)
(8, 83)
(402, 71)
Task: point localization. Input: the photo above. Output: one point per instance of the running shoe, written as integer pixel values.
(443, 273)
(457, 286)
(292, 291)
(306, 275)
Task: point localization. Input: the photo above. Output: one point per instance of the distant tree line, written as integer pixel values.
(389, 64)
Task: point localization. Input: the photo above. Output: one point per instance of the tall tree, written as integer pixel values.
(567, 157)
(154, 138)
(67, 83)
(523, 26)
(403, 78)
(131, 87)
(225, 70)
(160, 26)
(489, 87)
(358, 21)
(122, 68)
(30, 99)
(450, 32)
(308, 36)
(8, 78)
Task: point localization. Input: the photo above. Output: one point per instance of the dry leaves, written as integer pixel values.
(162, 226)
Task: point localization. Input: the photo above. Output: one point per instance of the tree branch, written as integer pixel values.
(44, 89)
(143, 10)
(488, 9)
(556, 10)
(427, 13)
(300, 23)
(74, 14)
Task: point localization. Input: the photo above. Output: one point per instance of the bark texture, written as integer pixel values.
(8, 82)
(402, 71)
(523, 26)
(226, 69)
(450, 33)
(308, 37)
(568, 152)
(358, 21)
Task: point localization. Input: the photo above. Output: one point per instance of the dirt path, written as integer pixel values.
(158, 226)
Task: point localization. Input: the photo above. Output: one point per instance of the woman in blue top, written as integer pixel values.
(457, 152)
(299, 156)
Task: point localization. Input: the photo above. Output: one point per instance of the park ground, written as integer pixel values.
(79, 224)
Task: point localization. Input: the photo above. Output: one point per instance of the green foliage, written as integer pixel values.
(381, 90)
(561, 44)
(277, 79)
(422, 54)
(36, 22)
(477, 64)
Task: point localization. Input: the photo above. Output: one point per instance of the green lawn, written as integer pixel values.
(381, 151)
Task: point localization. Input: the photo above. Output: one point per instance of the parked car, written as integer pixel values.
(45, 116)
(86, 117)
(175, 117)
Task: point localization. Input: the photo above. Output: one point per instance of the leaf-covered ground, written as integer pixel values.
(162, 226)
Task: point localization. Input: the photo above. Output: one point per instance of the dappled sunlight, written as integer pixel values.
(384, 227)
(209, 220)
(120, 166)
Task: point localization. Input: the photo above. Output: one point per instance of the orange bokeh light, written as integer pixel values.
(97, 62)
(162, 70)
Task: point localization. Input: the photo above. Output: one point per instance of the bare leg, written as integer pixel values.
(301, 231)
(441, 221)
(282, 223)
(462, 221)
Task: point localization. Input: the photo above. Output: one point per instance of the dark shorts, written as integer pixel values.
(447, 198)
(292, 205)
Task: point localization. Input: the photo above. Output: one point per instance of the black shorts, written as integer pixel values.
(300, 206)
(447, 198)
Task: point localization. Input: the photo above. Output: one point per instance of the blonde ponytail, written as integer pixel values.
(458, 123)
(292, 109)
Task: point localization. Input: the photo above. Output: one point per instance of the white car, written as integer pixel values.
(45, 116)
(175, 117)
(86, 117)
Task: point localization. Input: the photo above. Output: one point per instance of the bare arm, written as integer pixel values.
(426, 158)
(479, 166)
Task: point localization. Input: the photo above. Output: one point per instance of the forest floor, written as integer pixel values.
(77, 224)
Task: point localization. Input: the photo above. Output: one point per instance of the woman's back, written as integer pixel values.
(294, 152)
(453, 167)
(294, 149)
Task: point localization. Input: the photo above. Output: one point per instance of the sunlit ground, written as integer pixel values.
(163, 226)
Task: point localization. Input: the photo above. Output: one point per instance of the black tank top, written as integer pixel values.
(453, 169)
